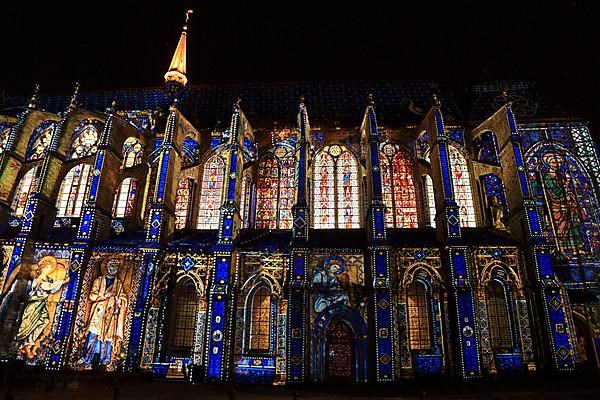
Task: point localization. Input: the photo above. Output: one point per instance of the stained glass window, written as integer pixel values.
(73, 190)
(211, 194)
(85, 140)
(40, 141)
(562, 182)
(245, 201)
(461, 182)
(398, 187)
(276, 189)
(498, 317)
(133, 151)
(260, 320)
(124, 202)
(486, 148)
(27, 184)
(183, 202)
(336, 189)
(429, 200)
(422, 146)
(417, 301)
(4, 134)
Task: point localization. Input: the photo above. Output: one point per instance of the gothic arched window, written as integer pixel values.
(184, 319)
(336, 198)
(211, 194)
(40, 141)
(419, 319)
(84, 141)
(124, 202)
(398, 187)
(27, 184)
(133, 151)
(498, 315)
(73, 190)
(429, 200)
(563, 184)
(183, 202)
(461, 182)
(259, 323)
(245, 201)
(276, 189)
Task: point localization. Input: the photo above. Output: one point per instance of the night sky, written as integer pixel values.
(110, 45)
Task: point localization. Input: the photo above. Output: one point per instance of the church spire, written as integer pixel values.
(175, 77)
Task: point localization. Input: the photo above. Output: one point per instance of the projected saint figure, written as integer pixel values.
(331, 284)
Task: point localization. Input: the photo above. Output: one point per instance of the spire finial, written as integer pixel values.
(371, 100)
(505, 97)
(302, 99)
(176, 78)
(73, 102)
(436, 100)
(34, 97)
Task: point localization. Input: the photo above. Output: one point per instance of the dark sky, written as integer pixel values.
(120, 44)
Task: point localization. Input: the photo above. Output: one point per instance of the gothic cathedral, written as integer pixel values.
(310, 232)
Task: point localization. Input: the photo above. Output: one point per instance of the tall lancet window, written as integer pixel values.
(417, 301)
(211, 194)
(27, 184)
(73, 190)
(461, 182)
(498, 315)
(124, 202)
(259, 339)
(40, 141)
(245, 201)
(429, 200)
(276, 189)
(336, 199)
(183, 202)
(398, 187)
(84, 140)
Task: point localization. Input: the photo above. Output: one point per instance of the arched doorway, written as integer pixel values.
(339, 353)
(339, 346)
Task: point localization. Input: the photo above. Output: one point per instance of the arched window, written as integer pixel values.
(124, 202)
(4, 134)
(183, 202)
(245, 201)
(73, 190)
(336, 189)
(27, 184)
(429, 200)
(84, 140)
(39, 141)
(211, 195)
(486, 148)
(184, 319)
(276, 189)
(133, 151)
(259, 329)
(398, 187)
(461, 182)
(562, 182)
(498, 315)
(419, 320)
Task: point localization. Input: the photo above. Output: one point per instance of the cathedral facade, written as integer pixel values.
(375, 238)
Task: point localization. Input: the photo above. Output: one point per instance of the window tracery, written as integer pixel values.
(73, 191)
(133, 151)
(84, 140)
(398, 187)
(40, 141)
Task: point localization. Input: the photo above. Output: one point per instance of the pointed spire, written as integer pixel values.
(34, 97)
(175, 77)
(73, 102)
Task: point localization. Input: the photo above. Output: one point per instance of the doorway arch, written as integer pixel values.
(342, 330)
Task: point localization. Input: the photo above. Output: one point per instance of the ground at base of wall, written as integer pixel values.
(140, 387)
